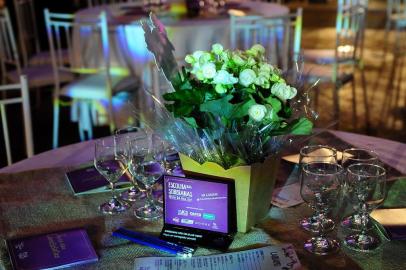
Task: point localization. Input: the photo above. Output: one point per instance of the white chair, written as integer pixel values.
(38, 76)
(28, 34)
(23, 98)
(96, 84)
(337, 66)
(281, 36)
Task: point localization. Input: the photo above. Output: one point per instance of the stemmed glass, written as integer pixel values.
(353, 156)
(110, 163)
(319, 187)
(316, 153)
(366, 184)
(124, 136)
(148, 168)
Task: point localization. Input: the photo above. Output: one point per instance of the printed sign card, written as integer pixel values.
(198, 209)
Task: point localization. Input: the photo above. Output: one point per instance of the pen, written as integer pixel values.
(154, 242)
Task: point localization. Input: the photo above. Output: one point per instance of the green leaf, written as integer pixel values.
(275, 103)
(240, 110)
(191, 121)
(302, 126)
(180, 110)
(220, 107)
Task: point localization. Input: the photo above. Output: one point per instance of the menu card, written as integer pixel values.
(51, 251)
(88, 180)
(266, 258)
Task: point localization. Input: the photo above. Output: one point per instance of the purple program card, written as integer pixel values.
(196, 204)
(51, 251)
(88, 178)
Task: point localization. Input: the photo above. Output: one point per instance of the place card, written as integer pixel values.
(52, 250)
(88, 180)
(296, 157)
(271, 257)
(287, 196)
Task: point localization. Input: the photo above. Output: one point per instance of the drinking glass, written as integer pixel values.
(319, 187)
(124, 136)
(110, 163)
(353, 156)
(316, 153)
(366, 184)
(147, 166)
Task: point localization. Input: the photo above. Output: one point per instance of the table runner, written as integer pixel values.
(40, 201)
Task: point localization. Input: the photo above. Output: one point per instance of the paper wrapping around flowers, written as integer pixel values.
(253, 186)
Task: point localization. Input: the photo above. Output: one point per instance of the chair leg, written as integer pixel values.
(336, 113)
(366, 102)
(354, 103)
(56, 124)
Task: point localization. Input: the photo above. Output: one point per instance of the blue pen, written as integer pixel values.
(154, 242)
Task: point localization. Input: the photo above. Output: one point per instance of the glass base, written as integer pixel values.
(149, 213)
(132, 195)
(321, 245)
(114, 206)
(353, 222)
(312, 224)
(362, 242)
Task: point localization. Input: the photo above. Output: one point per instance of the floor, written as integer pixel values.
(387, 102)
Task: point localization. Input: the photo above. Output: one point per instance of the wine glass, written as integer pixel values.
(147, 166)
(124, 136)
(316, 153)
(352, 156)
(366, 184)
(319, 187)
(110, 163)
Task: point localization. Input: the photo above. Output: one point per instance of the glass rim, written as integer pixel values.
(381, 168)
(374, 155)
(334, 154)
(341, 169)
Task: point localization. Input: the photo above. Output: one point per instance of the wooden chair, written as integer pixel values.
(96, 83)
(24, 99)
(337, 66)
(281, 36)
(38, 76)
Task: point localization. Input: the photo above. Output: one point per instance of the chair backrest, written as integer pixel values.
(27, 28)
(8, 49)
(281, 36)
(23, 98)
(64, 32)
(350, 26)
(396, 7)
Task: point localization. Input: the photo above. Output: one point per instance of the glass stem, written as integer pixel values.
(113, 190)
(364, 219)
(149, 202)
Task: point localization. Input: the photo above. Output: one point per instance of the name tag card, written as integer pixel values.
(199, 211)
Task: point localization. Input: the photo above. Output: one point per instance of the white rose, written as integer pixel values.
(196, 55)
(247, 77)
(209, 70)
(217, 48)
(204, 58)
(238, 60)
(283, 91)
(220, 89)
(189, 59)
(257, 112)
(225, 78)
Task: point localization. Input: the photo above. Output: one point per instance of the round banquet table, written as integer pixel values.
(36, 198)
(128, 48)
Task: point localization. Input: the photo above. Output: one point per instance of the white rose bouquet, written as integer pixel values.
(229, 107)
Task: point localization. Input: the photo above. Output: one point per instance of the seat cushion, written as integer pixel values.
(324, 73)
(44, 58)
(327, 56)
(93, 87)
(39, 76)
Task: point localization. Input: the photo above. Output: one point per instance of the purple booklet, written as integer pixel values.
(88, 180)
(51, 251)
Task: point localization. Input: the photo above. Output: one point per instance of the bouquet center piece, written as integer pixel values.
(232, 108)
